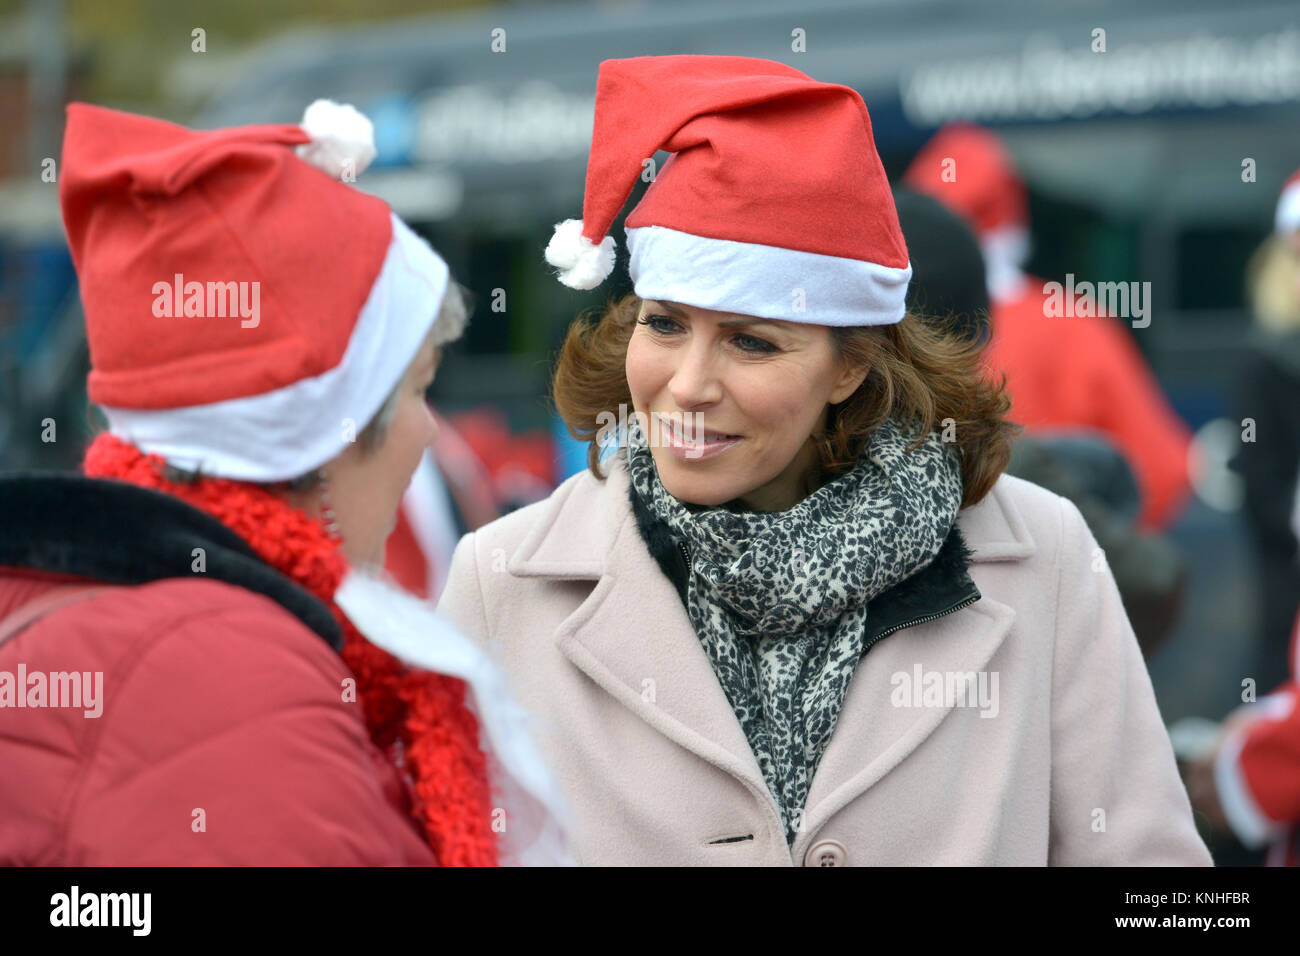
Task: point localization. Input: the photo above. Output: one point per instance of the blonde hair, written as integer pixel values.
(1273, 285)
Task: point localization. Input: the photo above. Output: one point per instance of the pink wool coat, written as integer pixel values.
(1063, 760)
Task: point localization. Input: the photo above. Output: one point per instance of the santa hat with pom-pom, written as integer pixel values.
(774, 202)
(247, 312)
(164, 224)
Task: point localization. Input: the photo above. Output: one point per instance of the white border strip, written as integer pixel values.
(287, 432)
(751, 279)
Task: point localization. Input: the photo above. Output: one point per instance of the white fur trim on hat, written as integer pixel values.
(767, 281)
(286, 432)
(342, 139)
(582, 263)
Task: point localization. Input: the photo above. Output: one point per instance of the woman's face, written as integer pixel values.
(763, 383)
(366, 487)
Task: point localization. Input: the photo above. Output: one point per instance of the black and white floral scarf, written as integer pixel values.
(779, 599)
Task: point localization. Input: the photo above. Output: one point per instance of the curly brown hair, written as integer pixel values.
(921, 371)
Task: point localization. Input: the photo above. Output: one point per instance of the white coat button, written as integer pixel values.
(826, 853)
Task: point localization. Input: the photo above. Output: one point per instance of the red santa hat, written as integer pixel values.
(968, 169)
(1287, 219)
(774, 202)
(247, 313)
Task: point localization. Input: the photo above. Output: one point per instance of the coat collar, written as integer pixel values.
(112, 531)
(574, 534)
(632, 636)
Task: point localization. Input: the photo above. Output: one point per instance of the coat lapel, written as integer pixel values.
(632, 636)
(873, 735)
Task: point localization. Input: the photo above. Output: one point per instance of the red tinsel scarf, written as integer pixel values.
(414, 713)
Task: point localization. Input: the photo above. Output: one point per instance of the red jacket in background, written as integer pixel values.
(1257, 771)
(1086, 371)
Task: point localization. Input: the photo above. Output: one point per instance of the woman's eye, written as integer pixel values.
(661, 324)
(750, 343)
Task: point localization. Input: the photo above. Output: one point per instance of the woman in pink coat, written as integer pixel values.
(799, 616)
(196, 664)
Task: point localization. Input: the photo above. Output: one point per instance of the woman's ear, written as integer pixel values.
(851, 376)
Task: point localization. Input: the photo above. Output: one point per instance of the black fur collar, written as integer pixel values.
(121, 533)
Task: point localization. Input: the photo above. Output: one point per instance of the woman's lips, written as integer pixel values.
(711, 446)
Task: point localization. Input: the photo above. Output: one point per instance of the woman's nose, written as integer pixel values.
(695, 381)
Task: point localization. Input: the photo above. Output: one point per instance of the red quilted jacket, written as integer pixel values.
(212, 724)
(223, 739)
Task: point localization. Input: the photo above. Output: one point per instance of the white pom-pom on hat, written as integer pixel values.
(342, 139)
(582, 263)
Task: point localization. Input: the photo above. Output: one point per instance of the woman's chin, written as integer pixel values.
(708, 491)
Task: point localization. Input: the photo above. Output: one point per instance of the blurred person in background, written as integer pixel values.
(1268, 394)
(948, 287)
(260, 695)
(727, 629)
(1065, 370)
(1248, 781)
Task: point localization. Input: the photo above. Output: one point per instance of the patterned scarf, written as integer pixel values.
(779, 599)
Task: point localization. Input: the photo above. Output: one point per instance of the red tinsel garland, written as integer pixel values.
(426, 712)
